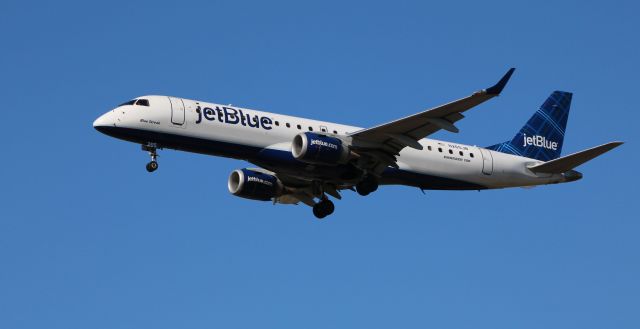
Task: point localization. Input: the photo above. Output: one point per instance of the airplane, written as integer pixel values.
(305, 161)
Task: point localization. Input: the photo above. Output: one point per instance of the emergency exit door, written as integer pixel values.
(487, 161)
(177, 111)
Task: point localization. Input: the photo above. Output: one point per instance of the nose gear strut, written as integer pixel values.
(152, 149)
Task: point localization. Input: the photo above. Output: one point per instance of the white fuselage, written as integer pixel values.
(265, 138)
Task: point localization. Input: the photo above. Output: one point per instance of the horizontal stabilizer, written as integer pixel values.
(566, 163)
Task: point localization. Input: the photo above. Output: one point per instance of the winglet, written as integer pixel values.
(497, 88)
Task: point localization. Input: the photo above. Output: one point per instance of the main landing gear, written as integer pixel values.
(323, 208)
(152, 149)
(368, 185)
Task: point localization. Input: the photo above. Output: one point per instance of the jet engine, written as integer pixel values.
(319, 149)
(255, 185)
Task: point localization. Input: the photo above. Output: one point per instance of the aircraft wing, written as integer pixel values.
(299, 190)
(390, 138)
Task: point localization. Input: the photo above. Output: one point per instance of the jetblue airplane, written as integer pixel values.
(303, 160)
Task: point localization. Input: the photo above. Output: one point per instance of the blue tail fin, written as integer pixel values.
(542, 137)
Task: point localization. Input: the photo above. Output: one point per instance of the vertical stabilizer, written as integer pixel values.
(543, 135)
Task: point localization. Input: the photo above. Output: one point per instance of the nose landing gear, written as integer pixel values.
(152, 149)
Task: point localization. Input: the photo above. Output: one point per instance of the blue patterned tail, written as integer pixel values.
(542, 137)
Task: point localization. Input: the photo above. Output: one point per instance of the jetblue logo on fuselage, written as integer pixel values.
(323, 143)
(539, 141)
(233, 116)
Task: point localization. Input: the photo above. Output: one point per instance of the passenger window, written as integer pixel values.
(143, 102)
(288, 125)
(450, 151)
(310, 129)
(440, 149)
(461, 154)
(277, 123)
(429, 147)
(299, 127)
(471, 155)
(335, 132)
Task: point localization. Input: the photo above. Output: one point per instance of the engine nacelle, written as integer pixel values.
(319, 149)
(255, 185)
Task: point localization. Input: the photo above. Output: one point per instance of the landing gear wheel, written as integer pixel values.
(152, 166)
(317, 211)
(361, 190)
(329, 207)
(323, 208)
(152, 149)
(367, 185)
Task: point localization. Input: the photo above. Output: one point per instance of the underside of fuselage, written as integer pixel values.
(282, 161)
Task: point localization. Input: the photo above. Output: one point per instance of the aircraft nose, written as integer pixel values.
(104, 121)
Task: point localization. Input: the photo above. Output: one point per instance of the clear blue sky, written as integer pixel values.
(88, 239)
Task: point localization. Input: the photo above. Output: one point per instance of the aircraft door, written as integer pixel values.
(177, 111)
(487, 161)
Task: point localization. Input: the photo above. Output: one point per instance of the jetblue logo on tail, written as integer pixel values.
(539, 141)
(542, 136)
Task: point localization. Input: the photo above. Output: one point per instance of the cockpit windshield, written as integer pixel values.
(140, 102)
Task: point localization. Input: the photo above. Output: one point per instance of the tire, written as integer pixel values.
(367, 185)
(152, 166)
(318, 211)
(361, 190)
(323, 208)
(329, 207)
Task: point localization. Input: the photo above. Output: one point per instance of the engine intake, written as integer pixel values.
(319, 149)
(254, 185)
